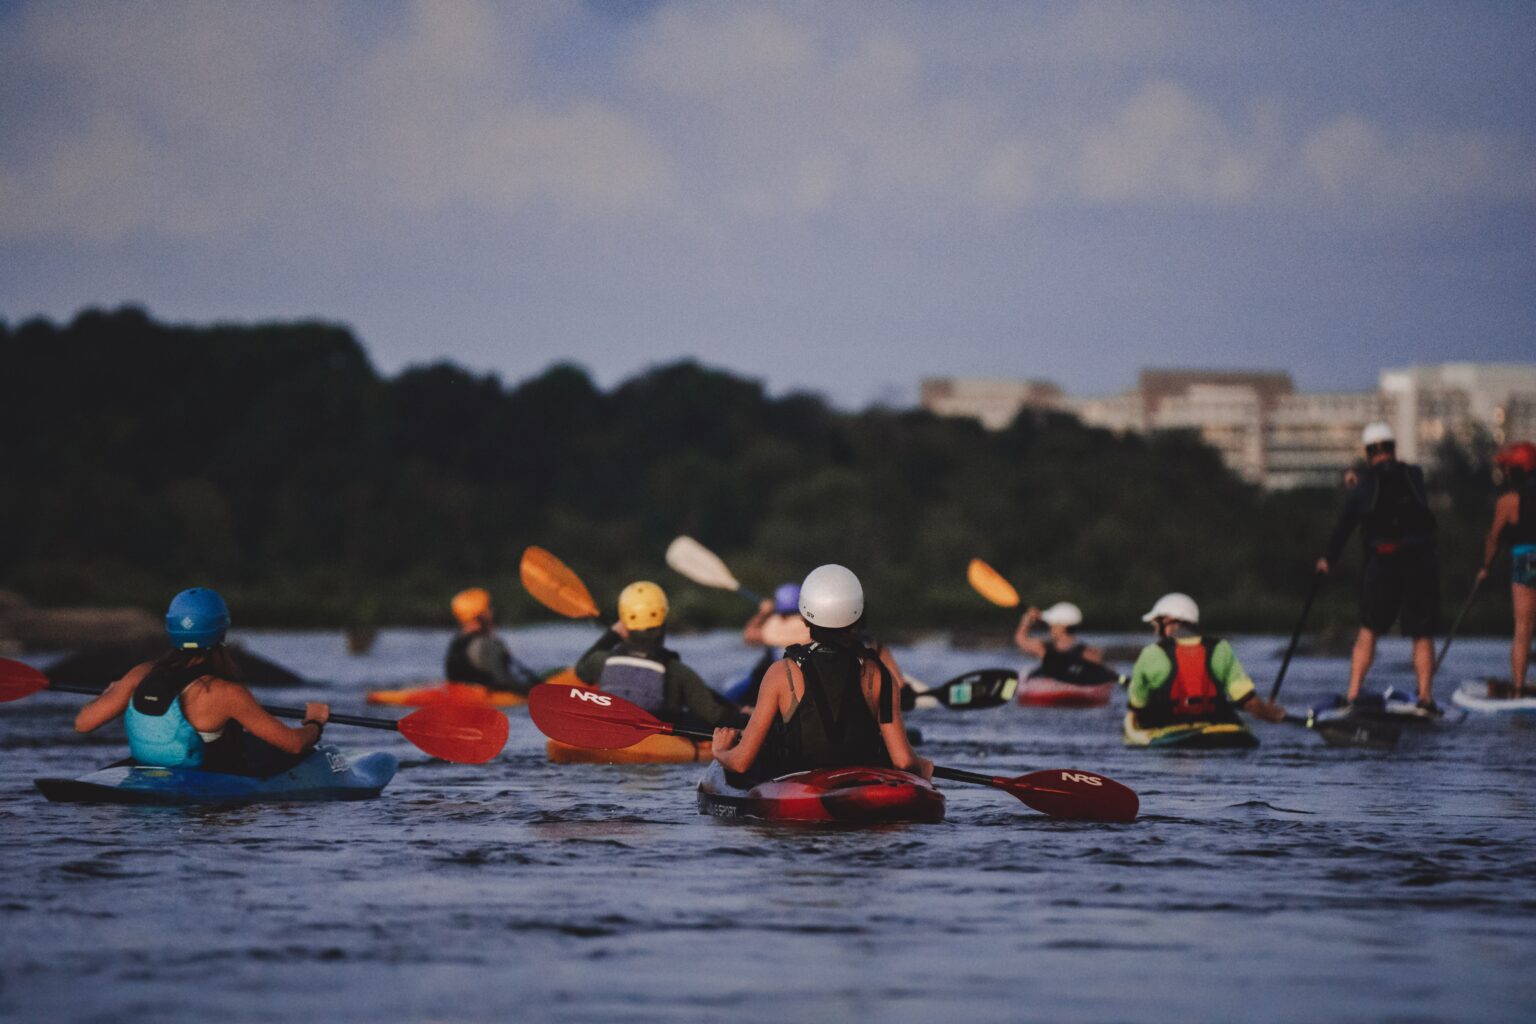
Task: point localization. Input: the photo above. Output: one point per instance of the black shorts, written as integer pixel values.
(1402, 587)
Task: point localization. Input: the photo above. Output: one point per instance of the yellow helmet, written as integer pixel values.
(470, 604)
(642, 605)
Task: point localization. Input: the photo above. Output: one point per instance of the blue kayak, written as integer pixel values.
(327, 774)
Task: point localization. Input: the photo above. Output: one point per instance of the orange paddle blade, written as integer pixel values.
(462, 733)
(18, 680)
(555, 586)
(989, 583)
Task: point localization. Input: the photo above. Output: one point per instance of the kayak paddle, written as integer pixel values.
(453, 731)
(687, 557)
(989, 583)
(555, 586)
(584, 717)
(972, 691)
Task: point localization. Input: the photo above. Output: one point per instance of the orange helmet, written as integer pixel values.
(1521, 455)
(470, 604)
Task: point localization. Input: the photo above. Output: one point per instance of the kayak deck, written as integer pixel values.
(327, 774)
(1190, 736)
(657, 749)
(830, 795)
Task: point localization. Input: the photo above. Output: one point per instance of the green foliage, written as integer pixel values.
(272, 461)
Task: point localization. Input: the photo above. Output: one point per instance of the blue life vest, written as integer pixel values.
(641, 681)
(158, 733)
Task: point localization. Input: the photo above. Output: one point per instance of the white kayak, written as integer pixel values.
(1478, 695)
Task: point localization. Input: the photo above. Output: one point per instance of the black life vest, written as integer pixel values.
(1070, 666)
(1192, 693)
(832, 727)
(1396, 513)
(458, 667)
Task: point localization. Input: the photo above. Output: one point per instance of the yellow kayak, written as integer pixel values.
(658, 749)
(1190, 736)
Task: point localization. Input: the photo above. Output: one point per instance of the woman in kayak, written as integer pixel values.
(183, 711)
(1061, 654)
(828, 704)
(1514, 520)
(631, 660)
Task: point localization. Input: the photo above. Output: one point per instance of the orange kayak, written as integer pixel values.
(461, 693)
(658, 749)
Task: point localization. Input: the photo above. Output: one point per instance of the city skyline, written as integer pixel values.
(840, 198)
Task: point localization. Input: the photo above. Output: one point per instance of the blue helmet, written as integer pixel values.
(786, 599)
(197, 618)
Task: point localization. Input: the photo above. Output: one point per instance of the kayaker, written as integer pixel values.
(185, 711)
(776, 625)
(1185, 677)
(1061, 653)
(1514, 522)
(829, 703)
(476, 654)
(631, 660)
(1400, 580)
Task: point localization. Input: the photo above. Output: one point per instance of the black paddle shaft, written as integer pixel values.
(1466, 606)
(1290, 651)
(958, 775)
(279, 712)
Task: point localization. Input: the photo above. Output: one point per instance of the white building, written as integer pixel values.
(1430, 403)
(992, 401)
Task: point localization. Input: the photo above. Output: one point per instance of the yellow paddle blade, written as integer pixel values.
(555, 586)
(989, 583)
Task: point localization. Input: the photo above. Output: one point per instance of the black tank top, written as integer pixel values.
(832, 726)
(1524, 531)
(1398, 510)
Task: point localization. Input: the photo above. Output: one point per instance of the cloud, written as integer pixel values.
(1349, 155)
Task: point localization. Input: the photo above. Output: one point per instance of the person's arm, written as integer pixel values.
(737, 749)
(112, 702)
(1239, 687)
(236, 703)
(490, 656)
(590, 665)
(1151, 670)
(893, 732)
(752, 632)
(1021, 638)
(1504, 511)
(696, 695)
(1094, 655)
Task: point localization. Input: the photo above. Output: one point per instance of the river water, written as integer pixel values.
(1291, 883)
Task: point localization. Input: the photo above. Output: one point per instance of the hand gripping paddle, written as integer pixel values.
(585, 717)
(463, 733)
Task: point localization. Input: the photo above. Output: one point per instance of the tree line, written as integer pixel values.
(274, 462)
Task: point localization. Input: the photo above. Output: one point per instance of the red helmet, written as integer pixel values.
(1521, 455)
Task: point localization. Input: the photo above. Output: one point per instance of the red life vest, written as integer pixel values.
(1192, 689)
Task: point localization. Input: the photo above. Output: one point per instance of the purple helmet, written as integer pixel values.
(786, 599)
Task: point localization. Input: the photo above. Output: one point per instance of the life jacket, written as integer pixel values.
(639, 680)
(458, 667)
(158, 731)
(832, 727)
(1397, 511)
(1192, 692)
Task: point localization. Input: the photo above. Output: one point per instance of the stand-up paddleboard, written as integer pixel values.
(1492, 697)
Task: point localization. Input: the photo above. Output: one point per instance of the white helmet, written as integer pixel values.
(1376, 433)
(832, 597)
(1062, 613)
(1174, 606)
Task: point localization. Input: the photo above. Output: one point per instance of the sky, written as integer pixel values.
(841, 197)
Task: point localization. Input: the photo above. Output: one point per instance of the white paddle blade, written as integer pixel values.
(689, 558)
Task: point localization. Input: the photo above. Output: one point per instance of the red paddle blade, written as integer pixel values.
(1069, 793)
(462, 733)
(18, 680)
(584, 717)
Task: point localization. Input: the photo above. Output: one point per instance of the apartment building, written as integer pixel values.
(1265, 430)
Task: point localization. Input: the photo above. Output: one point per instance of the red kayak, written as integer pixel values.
(847, 795)
(1043, 691)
